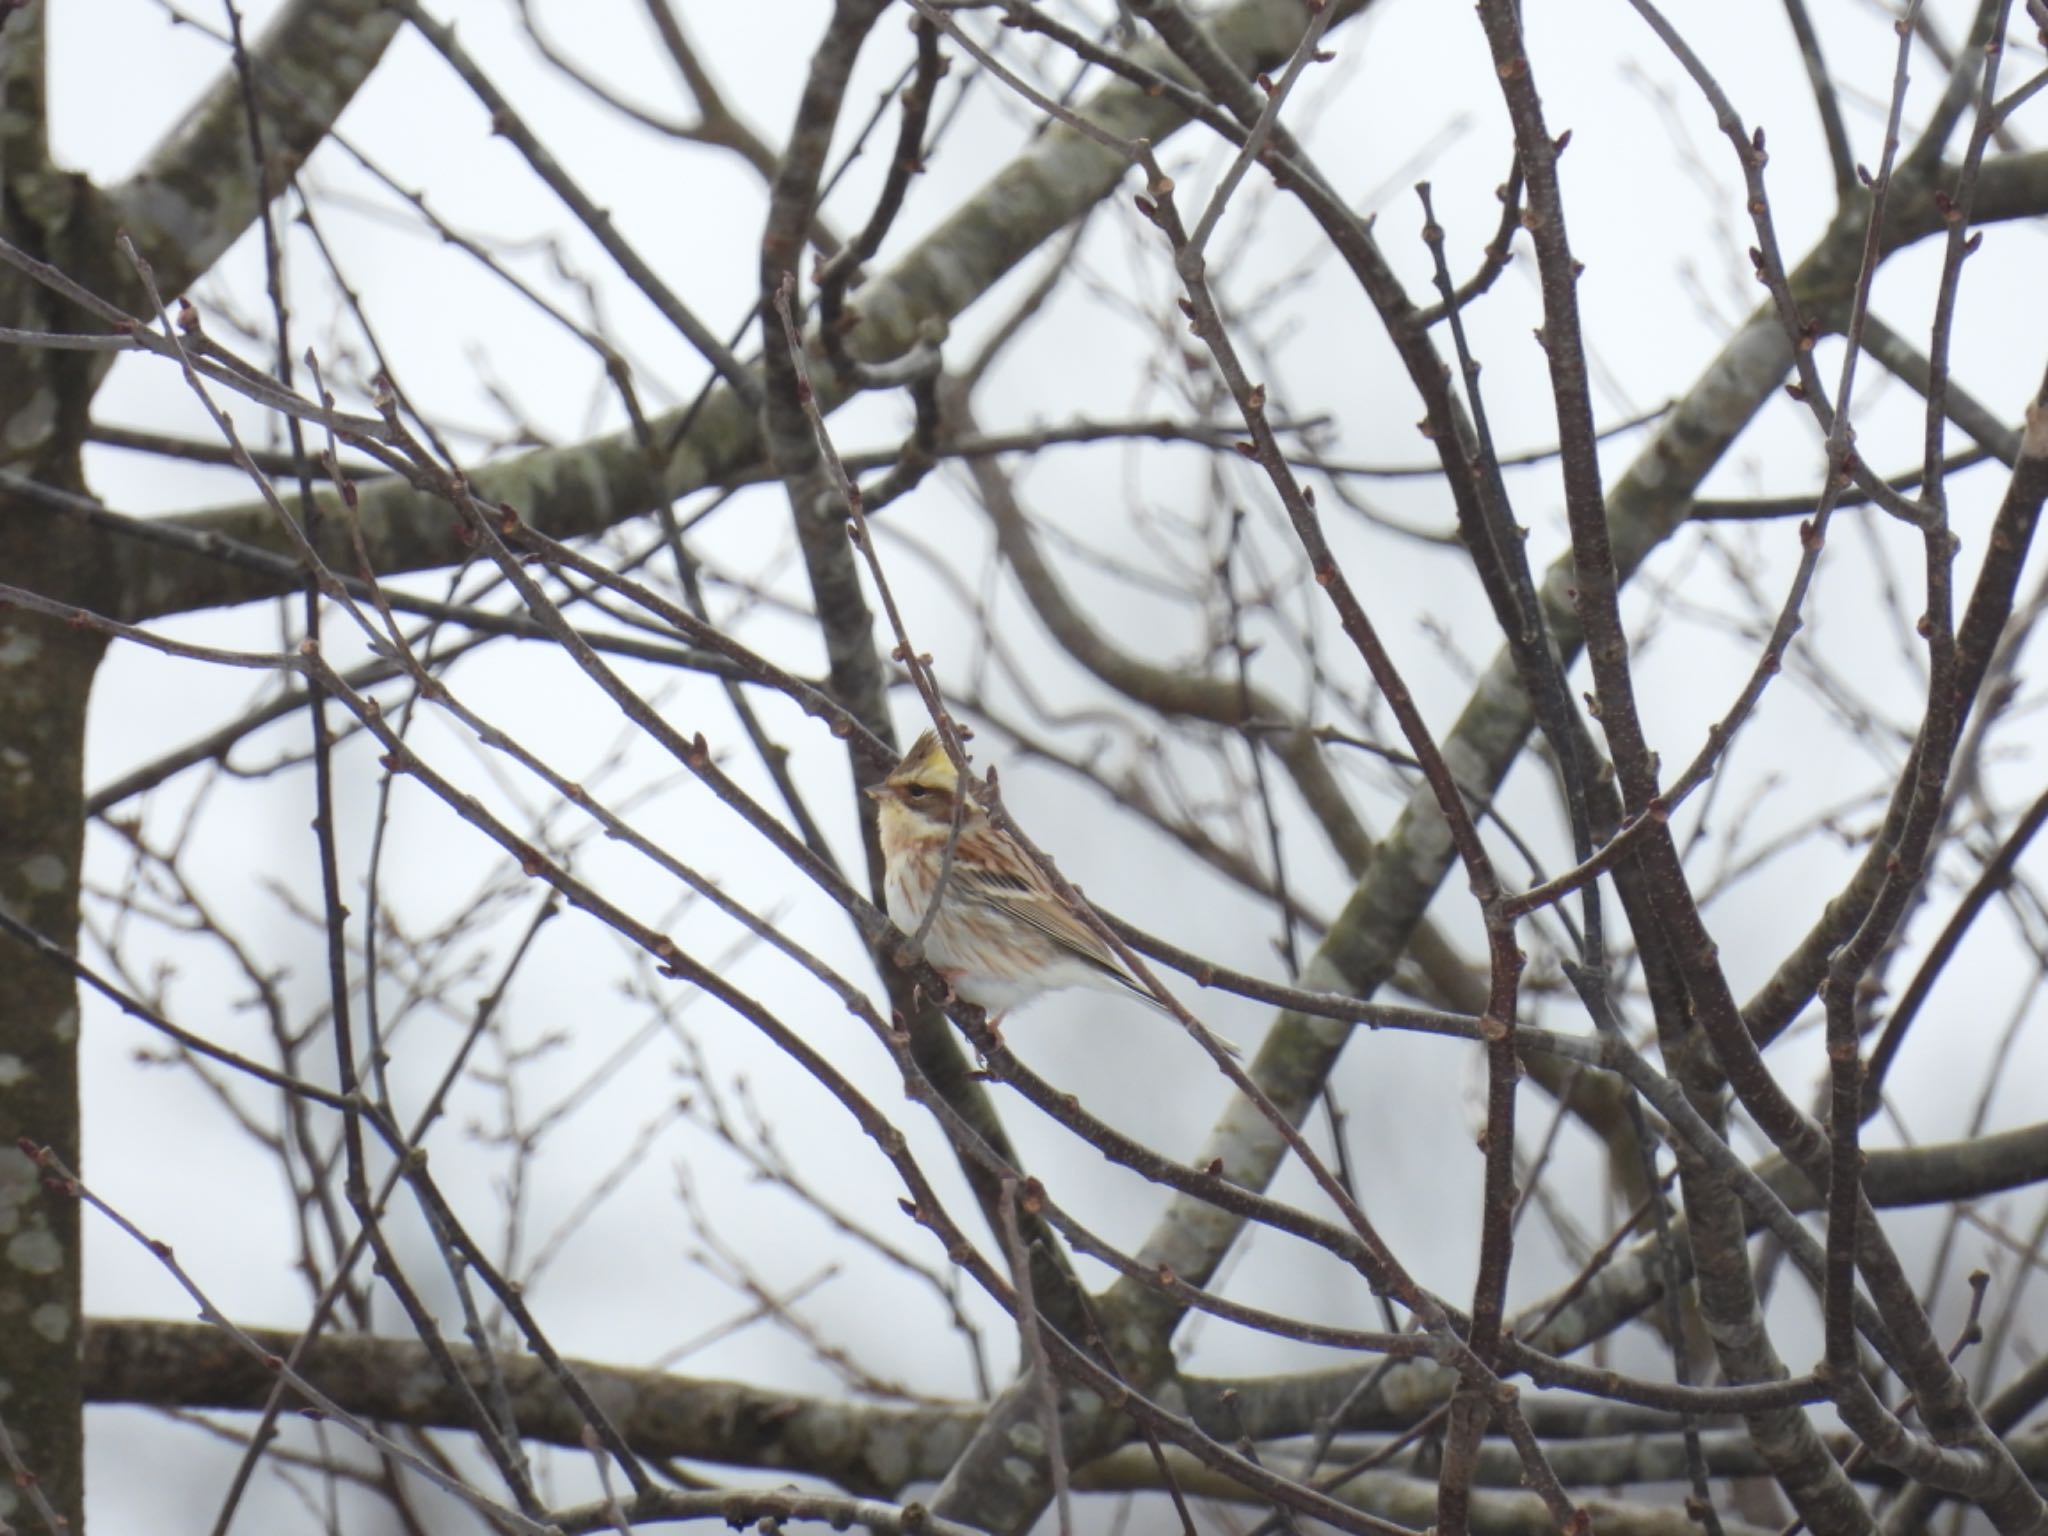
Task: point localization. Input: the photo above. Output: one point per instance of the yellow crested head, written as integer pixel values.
(925, 765)
(920, 792)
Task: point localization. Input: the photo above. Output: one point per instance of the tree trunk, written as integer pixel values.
(45, 681)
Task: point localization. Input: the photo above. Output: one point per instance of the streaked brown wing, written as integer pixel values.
(1018, 897)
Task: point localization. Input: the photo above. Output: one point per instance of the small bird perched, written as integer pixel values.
(1003, 935)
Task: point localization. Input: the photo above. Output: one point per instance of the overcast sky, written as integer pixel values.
(1656, 207)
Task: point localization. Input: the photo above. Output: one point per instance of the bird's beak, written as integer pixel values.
(876, 791)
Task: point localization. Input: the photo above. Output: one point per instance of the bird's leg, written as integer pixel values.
(993, 1023)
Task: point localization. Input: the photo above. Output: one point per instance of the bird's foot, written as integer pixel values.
(995, 1030)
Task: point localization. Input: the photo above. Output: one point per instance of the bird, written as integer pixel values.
(1002, 935)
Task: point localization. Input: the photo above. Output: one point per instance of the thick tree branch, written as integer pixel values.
(593, 485)
(199, 190)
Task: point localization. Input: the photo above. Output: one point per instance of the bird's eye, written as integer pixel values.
(916, 791)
